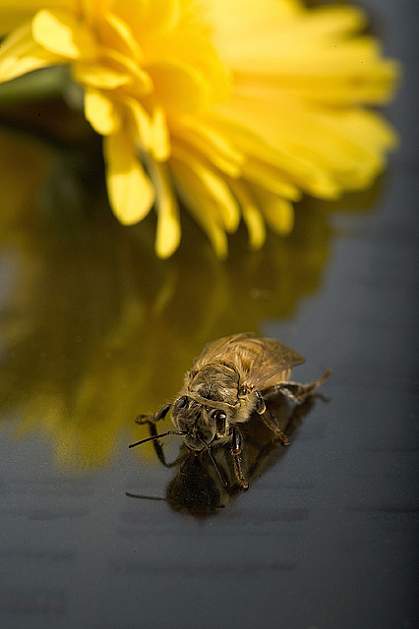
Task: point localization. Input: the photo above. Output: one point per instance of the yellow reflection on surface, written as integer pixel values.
(94, 329)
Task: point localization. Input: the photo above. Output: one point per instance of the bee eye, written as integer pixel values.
(219, 416)
(182, 402)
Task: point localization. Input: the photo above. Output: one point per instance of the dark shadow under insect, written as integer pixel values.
(205, 483)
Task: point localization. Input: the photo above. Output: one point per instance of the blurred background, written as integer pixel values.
(94, 330)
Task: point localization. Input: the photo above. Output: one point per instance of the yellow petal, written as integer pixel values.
(20, 54)
(99, 76)
(243, 19)
(162, 15)
(14, 13)
(131, 192)
(363, 138)
(168, 225)
(118, 35)
(214, 145)
(255, 226)
(61, 33)
(251, 214)
(140, 123)
(201, 209)
(142, 83)
(160, 143)
(213, 188)
(93, 9)
(262, 146)
(278, 212)
(325, 23)
(102, 112)
(279, 40)
(269, 177)
(320, 78)
(180, 87)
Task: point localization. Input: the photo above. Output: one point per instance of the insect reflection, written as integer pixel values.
(204, 484)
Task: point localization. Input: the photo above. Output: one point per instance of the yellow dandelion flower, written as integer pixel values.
(236, 107)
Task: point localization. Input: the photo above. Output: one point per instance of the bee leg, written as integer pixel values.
(151, 420)
(236, 453)
(270, 423)
(260, 403)
(298, 392)
(158, 448)
(147, 419)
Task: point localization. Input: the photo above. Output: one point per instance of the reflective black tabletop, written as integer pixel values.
(94, 331)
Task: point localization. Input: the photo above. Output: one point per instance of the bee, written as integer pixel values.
(230, 381)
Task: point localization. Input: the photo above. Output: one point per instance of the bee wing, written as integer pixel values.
(260, 362)
(273, 361)
(215, 350)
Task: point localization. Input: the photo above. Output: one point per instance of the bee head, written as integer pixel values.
(200, 424)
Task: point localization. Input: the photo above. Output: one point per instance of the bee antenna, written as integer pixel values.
(154, 437)
(144, 497)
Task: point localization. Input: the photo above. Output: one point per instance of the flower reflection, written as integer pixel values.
(95, 329)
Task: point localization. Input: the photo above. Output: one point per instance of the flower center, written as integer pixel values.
(177, 52)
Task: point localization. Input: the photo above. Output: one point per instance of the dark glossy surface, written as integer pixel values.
(94, 330)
